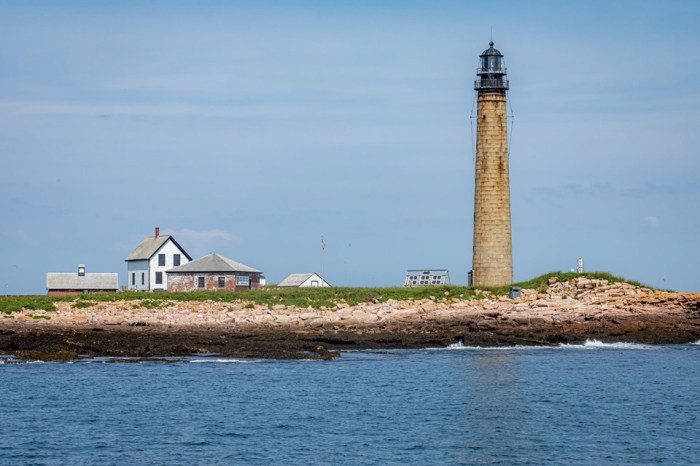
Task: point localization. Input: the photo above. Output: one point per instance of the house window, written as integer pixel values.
(159, 278)
(143, 278)
(161, 260)
(222, 282)
(176, 259)
(133, 278)
(200, 282)
(242, 281)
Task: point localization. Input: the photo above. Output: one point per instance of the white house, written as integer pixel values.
(304, 280)
(147, 264)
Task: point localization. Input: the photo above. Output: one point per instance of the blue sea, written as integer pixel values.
(588, 404)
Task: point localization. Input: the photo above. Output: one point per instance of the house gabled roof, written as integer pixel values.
(296, 279)
(213, 263)
(89, 281)
(150, 245)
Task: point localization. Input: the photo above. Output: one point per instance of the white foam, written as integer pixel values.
(588, 344)
(459, 346)
(597, 344)
(225, 360)
(696, 343)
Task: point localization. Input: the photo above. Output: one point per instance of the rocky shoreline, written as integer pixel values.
(569, 312)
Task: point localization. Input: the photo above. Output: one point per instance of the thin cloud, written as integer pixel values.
(652, 221)
(200, 236)
(95, 109)
(200, 242)
(166, 83)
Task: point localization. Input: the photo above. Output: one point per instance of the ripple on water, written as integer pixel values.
(593, 403)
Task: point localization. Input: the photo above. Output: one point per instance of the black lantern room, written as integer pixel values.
(491, 71)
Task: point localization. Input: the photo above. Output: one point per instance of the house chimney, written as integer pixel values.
(81, 270)
(157, 232)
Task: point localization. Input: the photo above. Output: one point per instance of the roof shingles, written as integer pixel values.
(89, 281)
(296, 279)
(150, 245)
(213, 263)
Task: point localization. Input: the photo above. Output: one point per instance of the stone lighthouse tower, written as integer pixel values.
(493, 253)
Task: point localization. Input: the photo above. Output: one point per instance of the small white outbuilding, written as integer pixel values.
(304, 280)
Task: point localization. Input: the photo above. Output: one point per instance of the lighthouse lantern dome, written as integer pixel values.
(492, 60)
(491, 71)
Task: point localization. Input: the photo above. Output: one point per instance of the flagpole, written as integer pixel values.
(323, 250)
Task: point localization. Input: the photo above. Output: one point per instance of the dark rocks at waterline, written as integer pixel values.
(63, 344)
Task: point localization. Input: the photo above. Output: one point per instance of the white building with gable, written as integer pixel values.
(147, 264)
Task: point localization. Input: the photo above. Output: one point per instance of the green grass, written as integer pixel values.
(152, 303)
(10, 304)
(329, 297)
(83, 304)
(270, 296)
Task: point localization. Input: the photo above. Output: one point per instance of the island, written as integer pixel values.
(556, 308)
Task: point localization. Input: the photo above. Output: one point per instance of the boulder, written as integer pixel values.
(283, 320)
(316, 323)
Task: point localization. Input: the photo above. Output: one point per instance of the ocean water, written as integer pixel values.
(592, 404)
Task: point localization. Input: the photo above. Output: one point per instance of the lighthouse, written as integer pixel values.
(492, 260)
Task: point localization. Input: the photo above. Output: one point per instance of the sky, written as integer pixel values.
(255, 129)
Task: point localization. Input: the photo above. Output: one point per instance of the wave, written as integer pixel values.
(588, 344)
(597, 344)
(460, 346)
(696, 343)
(225, 360)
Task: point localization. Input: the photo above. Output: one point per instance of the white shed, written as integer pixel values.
(304, 280)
